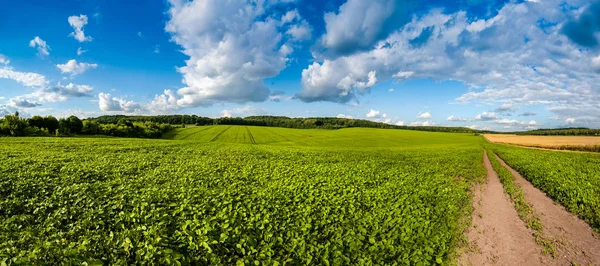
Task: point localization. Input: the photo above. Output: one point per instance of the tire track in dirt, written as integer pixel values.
(497, 235)
(575, 241)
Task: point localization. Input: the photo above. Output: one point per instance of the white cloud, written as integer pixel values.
(163, 103)
(4, 60)
(157, 49)
(78, 22)
(505, 108)
(226, 114)
(486, 116)
(80, 51)
(108, 103)
(403, 75)
(520, 124)
(75, 68)
(505, 59)
(228, 58)
(425, 115)
(20, 102)
(453, 118)
(28, 79)
(344, 116)
(357, 25)
(139, 34)
(472, 127)
(400, 123)
(375, 114)
(300, 32)
(391, 90)
(570, 121)
(290, 16)
(247, 110)
(423, 124)
(596, 63)
(42, 47)
(61, 93)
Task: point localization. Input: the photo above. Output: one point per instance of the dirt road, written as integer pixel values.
(498, 236)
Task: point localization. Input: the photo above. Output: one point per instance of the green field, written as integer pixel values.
(224, 195)
(348, 137)
(237, 195)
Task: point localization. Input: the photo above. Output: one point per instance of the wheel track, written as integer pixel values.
(220, 133)
(195, 133)
(251, 136)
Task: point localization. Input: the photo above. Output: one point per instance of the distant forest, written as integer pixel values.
(572, 131)
(275, 121)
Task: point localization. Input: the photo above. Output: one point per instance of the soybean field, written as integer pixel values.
(224, 195)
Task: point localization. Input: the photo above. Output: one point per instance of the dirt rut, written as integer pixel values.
(575, 241)
(498, 236)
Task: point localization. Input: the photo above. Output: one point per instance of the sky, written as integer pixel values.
(499, 65)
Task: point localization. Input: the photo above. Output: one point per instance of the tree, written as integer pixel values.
(75, 125)
(37, 121)
(51, 123)
(14, 125)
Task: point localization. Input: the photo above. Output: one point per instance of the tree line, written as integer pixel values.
(276, 121)
(14, 125)
(572, 131)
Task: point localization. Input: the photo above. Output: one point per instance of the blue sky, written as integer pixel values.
(502, 65)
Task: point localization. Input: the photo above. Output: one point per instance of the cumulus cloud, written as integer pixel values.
(375, 114)
(453, 118)
(399, 123)
(228, 58)
(505, 108)
(4, 60)
(108, 103)
(28, 79)
(61, 93)
(570, 121)
(358, 25)
(343, 116)
(518, 56)
(42, 47)
(423, 124)
(425, 115)
(23, 103)
(300, 32)
(78, 22)
(74, 68)
(486, 116)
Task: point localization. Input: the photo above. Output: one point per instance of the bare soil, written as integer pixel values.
(497, 235)
(543, 141)
(575, 241)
